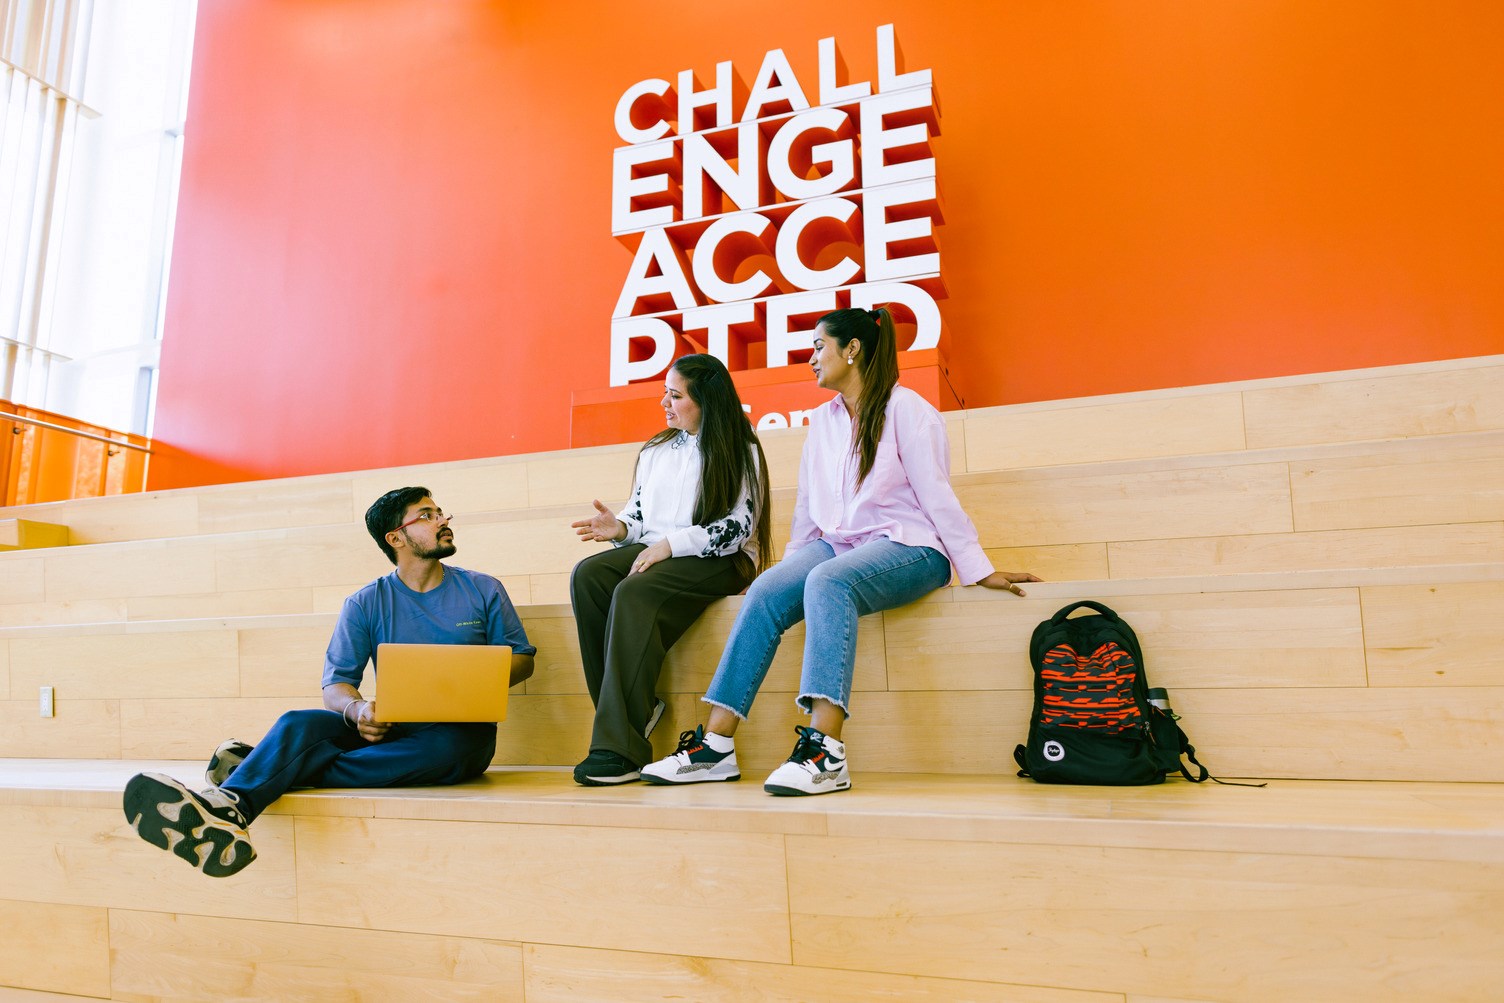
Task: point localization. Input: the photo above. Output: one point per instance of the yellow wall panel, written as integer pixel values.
(159, 955)
(55, 948)
(594, 887)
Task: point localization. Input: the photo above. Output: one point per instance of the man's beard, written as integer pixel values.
(441, 548)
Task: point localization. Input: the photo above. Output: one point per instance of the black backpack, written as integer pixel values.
(1096, 721)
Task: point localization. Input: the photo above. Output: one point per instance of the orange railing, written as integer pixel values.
(51, 457)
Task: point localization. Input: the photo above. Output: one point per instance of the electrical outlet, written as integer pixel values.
(49, 707)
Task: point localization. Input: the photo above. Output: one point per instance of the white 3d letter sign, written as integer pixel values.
(751, 212)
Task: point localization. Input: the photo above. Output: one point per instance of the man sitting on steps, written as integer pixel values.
(421, 602)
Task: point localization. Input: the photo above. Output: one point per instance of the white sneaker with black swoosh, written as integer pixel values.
(817, 766)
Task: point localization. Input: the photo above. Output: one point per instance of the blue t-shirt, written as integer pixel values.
(468, 607)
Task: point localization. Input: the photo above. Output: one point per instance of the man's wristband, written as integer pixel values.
(355, 722)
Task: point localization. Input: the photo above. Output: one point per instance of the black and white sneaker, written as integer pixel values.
(207, 830)
(818, 766)
(658, 707)
(693, 762)
(227, 756)
(603, 769)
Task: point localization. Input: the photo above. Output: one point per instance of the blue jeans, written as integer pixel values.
(317, 748)
(829, 591)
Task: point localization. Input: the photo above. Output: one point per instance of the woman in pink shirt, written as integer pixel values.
(876, 526)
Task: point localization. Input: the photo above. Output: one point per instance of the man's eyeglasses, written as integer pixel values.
(433, 515)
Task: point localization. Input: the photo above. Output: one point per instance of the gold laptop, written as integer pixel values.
(442, 682)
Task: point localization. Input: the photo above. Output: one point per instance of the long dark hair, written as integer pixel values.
(727, 443)
(878, 363)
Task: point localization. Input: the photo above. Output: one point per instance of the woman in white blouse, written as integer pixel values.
(694, 530)
(876, 525)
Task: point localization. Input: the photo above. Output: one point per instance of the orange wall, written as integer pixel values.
(393, 241)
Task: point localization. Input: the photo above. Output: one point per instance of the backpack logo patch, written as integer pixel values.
(1053, 751)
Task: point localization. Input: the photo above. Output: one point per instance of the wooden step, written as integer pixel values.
(1379, 504)
(1352, 675)
(521, 884)
(1437, 398)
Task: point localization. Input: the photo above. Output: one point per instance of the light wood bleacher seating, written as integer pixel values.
(1315, 567)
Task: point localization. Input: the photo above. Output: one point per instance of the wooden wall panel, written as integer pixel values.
(103, 666)
(1469, 399)
(1010, 438)
(1435, 635)
(21, 579)
(82, 729)
(283, 661)
(313, 501)
(1226, 639)
(611, 888)
(1070, 507)
(1383, 547)
(1376, 733)
(485, 486)
(116, 571)
(160, 956)
(190, 728)
(54, 948)
(146, 516)
(1082, 562)
(1062, 915)
(44, 614)
(341, 555)
(1459, 481)
(578, 975)
(576, 477)
(90, 857)
(264, 602)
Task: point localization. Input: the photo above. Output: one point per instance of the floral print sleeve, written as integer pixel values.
(631, 517)
(721, 538)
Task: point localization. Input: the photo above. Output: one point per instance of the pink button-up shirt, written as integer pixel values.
(906, 497)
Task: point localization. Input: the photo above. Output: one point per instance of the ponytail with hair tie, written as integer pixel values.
(879, 354)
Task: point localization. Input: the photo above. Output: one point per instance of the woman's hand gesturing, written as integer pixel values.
(603, 527)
